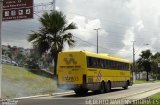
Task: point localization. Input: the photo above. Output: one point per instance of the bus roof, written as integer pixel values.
(102, 55)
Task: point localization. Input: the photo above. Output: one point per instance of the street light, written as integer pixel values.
(1, 6)
(54, 4)
(97, 29)
(134, 53)
(133, 66)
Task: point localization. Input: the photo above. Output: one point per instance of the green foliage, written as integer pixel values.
(149, 63)
(155, 61)
(20, 59)
(52, 35)
(32, 60)
(146, 54)
(145, 61)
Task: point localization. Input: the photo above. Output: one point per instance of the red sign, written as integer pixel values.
(17, 9)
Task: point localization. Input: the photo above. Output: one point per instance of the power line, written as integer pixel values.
(119, 37)
(89, 43)
(96, 45)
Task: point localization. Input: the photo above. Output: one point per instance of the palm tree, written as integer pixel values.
(52, 35)
(145, 61)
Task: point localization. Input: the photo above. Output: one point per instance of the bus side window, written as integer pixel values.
(105, 64)
(110, 64)
(98, 63)
(94, 62)
(102, 63)
(113, 65)
(116, 65)
(89, 62)
(124, 66)
(120, 66)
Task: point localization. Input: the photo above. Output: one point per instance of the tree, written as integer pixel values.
(138, 66)
(145, 61)
(52, 35)
(32, 60)
(20, 59)
(155, 61)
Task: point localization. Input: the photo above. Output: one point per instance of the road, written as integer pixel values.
(143, 90)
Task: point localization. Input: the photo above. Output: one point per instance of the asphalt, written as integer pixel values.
(91, 98)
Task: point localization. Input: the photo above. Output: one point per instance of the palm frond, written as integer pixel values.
(70, 27)
(33, 36)
(42, 44)
(44, 20)
(69, 39)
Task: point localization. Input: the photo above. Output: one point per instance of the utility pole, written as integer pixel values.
(97, 29)
(54, 5)
(134, 70)
(1, 8)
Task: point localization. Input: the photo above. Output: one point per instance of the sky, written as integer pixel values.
(120, 23)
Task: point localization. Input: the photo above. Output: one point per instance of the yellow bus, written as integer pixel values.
(82, 71)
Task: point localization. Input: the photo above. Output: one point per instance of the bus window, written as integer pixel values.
(101, 63)
(94, 62)
(98, 63)
(106, 64)
(110, 64)
(89, 62)
(118, 65)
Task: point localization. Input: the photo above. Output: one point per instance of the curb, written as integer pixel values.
(45, 95)
(20, 98)
(62, 93)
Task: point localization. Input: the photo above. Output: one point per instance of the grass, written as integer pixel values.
(144, 81)
(20, 82)
(153, 100)
(156, 96)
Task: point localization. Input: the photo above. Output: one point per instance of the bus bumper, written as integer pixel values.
(72, 86)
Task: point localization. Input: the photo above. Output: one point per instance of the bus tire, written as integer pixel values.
(102, 88)
(81, 92)
(126, 85)
(108, 87)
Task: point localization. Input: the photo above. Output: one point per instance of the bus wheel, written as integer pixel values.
(81, 92)
(102, 88)
(108, 88)
(126, 85)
